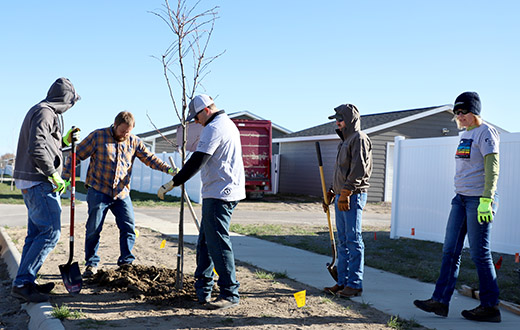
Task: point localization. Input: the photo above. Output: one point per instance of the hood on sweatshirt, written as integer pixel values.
(350, 115)
(61, 96)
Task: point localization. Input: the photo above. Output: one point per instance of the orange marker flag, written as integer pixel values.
(517, 257)
(413, 231)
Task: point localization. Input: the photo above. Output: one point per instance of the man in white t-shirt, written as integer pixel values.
(219, 158)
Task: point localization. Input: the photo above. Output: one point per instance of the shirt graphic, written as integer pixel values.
(464, 149)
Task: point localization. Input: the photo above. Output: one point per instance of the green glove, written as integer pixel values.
(72, 134)
(485, 213)
(58, 182)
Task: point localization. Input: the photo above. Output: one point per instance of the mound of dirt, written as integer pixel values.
(153, 284)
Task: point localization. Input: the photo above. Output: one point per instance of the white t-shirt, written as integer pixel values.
(469, 158)
(223, 175)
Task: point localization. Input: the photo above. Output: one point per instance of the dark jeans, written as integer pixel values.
(214, 250)
(43, 230)
(122, 209)
(462, 221)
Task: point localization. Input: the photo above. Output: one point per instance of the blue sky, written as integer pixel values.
(290, 62)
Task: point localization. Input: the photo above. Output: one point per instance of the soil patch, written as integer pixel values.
(149, 283)
(143, 296)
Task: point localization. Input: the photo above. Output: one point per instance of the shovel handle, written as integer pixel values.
(322, 177)
(72, 198)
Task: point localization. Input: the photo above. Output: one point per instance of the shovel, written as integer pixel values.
(70, 271)
(333, 269)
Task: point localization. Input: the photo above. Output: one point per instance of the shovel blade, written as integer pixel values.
(333, 270)
(71, 277)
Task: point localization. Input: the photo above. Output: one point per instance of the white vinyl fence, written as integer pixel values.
(144, 179)
(423, 188)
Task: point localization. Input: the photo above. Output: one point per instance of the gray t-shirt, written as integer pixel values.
(469, 158)
(223, 175)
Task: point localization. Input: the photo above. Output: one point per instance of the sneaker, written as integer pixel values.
(90, 271)
(432, 306)
(28, 293)
(348, 292)
(221, 303)
(334, 289)
(483, 314)
(44, 288)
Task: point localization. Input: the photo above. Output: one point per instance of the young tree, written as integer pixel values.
(185, 61)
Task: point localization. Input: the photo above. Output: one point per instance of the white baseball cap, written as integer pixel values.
(198, 104)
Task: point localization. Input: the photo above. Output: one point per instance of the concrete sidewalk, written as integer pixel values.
(387, 292)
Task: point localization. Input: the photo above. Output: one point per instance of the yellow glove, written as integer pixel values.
(485, 212)
(330, 198)
(344, 200)
(56, 179)
(72, 134)
(173, 171)
(164, 189)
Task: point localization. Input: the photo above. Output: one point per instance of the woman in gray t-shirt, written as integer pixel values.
(472, 211)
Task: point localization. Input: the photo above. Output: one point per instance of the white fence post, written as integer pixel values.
(395, 190)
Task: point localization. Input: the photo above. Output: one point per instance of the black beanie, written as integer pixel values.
(468, 101)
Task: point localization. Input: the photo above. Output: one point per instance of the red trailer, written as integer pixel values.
(256, 138)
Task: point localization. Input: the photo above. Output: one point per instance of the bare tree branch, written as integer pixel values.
(192, 33)
(174, 145)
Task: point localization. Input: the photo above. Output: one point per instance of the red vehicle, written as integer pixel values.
(256, 138)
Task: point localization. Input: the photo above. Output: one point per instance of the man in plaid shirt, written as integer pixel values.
(112, 151)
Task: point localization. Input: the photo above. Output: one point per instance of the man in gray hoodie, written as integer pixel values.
(349, 190)
(37, 174)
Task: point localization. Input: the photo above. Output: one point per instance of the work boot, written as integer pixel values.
(90, 271)
(483, 314)
(221, 303)
(348, 292)
(432, 306)
(28, 293)
(44, 288)
(334, 289)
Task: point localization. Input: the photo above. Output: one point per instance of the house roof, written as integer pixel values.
(369, 123)
(173, 128)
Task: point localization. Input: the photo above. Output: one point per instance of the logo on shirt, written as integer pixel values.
(490, 142)
(464, 148)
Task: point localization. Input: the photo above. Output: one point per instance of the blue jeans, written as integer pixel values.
(98, 206)
(214, 250)
(43, 230)
(351, 248)
(462, 221)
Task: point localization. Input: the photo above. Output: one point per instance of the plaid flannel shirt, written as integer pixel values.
(111, 162)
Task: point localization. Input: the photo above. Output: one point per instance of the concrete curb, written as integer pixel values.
(40, 314)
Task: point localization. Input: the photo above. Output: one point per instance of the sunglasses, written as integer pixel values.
(197, 115)
(462, 111)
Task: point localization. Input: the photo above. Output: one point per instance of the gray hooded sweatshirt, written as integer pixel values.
(39, 153)
(354, 160)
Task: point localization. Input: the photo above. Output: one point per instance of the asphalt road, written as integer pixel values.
(16, 215)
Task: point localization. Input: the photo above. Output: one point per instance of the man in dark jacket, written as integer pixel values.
(38, 166)
(349, 190)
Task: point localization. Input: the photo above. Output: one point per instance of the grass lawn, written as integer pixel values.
(139, 199)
